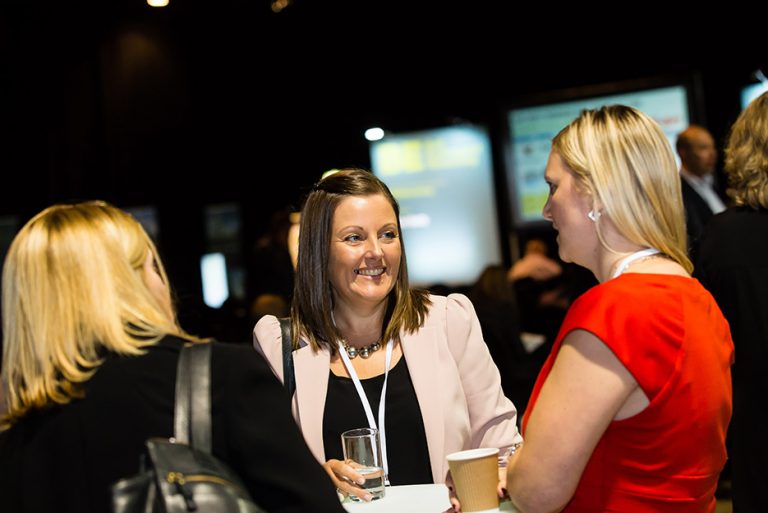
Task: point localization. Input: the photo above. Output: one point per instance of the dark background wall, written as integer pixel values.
(119, 101)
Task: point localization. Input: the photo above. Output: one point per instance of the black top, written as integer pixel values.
(65, 458)
(407, 452)
(697, 215)
(733, 266)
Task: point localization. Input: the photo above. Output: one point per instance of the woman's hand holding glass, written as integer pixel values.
(346, 479)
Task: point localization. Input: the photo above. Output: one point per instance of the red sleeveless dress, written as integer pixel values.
(671, 336)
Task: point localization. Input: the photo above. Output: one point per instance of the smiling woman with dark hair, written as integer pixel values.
(369, 351)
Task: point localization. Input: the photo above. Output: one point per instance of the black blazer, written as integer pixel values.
(697, 215)
(65, 458)
(732, 266)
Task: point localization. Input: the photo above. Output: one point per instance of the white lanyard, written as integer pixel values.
(367, 405)
(624, 263)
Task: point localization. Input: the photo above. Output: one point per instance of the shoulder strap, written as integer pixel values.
(289, 377)
(192, 410)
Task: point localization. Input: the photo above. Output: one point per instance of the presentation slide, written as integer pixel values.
(532, 128)
(443, 181)
(751, 92)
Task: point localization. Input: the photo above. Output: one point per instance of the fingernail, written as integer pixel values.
(368, 498)
(360, 480)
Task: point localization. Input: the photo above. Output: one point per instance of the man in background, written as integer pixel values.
(698, 157)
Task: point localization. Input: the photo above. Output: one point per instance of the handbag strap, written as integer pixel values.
(192, 409)
(289, 376)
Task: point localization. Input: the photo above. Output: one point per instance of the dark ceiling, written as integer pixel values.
(112, 99)
(117, 100)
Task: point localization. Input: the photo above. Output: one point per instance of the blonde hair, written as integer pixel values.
(73, 286)
(746, 156)
(622, 159)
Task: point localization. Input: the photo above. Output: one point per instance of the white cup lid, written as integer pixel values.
(472, 454)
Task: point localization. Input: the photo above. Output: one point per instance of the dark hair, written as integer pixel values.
(312, 297)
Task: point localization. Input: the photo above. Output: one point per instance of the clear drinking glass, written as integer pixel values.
(362, 451)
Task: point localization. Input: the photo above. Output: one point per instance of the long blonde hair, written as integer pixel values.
(622, 158)
(73, 286)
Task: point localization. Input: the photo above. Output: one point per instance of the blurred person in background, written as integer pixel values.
(495, 302)
(698, 158)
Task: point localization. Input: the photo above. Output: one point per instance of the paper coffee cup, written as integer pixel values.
(476, 475)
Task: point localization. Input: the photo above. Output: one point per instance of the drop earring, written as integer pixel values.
(594, 215)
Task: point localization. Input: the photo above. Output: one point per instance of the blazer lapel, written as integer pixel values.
(311, 388)
(420, 351)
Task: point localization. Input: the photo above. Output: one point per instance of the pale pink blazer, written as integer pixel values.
(456, 382)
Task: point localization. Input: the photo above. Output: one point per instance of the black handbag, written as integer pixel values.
(180, 474)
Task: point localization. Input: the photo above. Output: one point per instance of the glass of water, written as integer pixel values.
(362, 451)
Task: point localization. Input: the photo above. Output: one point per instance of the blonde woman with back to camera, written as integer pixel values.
(90, 348)
(426, 379)
(630, 411)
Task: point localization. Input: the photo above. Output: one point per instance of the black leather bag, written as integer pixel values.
(179, 475)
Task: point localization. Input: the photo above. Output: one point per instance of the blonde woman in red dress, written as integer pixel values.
(631, 409)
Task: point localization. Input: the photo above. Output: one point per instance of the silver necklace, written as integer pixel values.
(364, 352)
